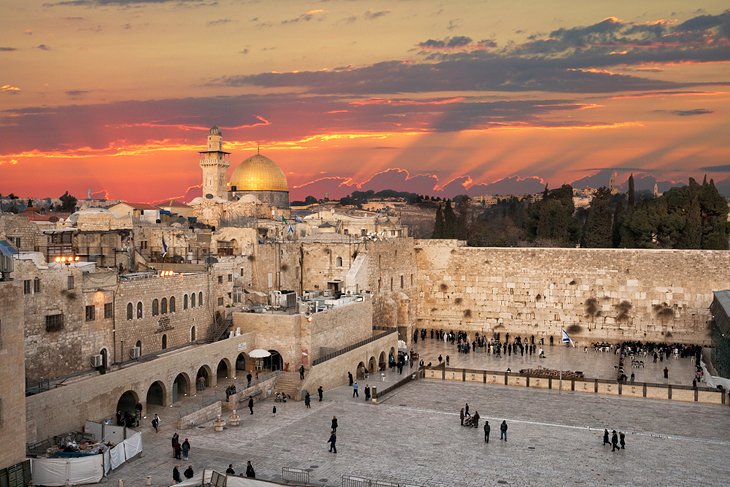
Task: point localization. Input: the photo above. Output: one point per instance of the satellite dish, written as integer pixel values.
(209, 196)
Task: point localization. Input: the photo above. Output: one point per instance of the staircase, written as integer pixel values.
(290, 383)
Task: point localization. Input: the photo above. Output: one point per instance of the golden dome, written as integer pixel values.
(258, 173)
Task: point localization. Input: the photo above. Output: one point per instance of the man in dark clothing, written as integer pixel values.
(503, 430)
(175, 444)
(666, 373)
(622, 440)
(301, 372)
(334, 424)
(189, 472)
(156, 423)
(307, 400)
(250, 404)
(320, 393)
(461, 416)
(614, 441)
(349, 378)
(475, 419)
(185, 449)
(248, 379)
(249, 471)
(487, 429)
(332, 441)
(606, 441)
(176, 475)
(230, 470)
(367, 392)
(466, 410)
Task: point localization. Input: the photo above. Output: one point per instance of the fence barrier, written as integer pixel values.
(352, 481)
(294, 475)
(332, 355)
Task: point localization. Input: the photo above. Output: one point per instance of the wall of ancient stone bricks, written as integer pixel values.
(12, 373)
(13, 227)
(65, 408)
(595, 294)
(176, 326)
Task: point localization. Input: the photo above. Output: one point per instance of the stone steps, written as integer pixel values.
(289, 383)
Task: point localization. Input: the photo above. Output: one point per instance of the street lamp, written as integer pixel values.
(66, 260)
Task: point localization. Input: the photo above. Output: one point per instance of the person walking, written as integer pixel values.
(475, 419)
(666, 373)
(354, 390)
(461, 416)
(185, 449)
(487, 429)
(248, 380)
(466, 410)
(622, 440)
(189, 472)
(367, 392)
(301, 372)
(333, 442)
(447, 360)
(249, 471)
(503, 430)
(606, 441)
(334, 424)
(229, 470)
(250, 404)
(614, 441)
(156, 423)
(176, 474)
(307, 400)
(320, 393)
(273, 410)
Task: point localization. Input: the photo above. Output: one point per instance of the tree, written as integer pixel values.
(449, 221)
(597, 229)
(438, 227)
(68, 203)
(632, 193)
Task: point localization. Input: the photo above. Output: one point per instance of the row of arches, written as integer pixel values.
(164, 393)
(374, 365)
(164, 305)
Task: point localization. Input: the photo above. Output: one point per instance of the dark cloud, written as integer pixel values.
(720, 168)
(689, 113)
(370, 15)
(43, 47)
(77, 93)
(7, 49)
(217, 22)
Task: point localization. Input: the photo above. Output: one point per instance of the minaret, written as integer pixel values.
(214, 163)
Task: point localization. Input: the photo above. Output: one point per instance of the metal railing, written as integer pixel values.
(409, 378)
(294, 475)
(332, 355)
(353, 481)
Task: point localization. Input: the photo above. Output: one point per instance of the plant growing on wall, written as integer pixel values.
(623, 308)
(592, 309)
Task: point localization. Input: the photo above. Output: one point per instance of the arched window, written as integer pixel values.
(140, 313)
(163, 306)
(130, 311)
(185, 301)
(192, 334)
(339, 261)
(192, 300)
(155, 307)
(139, 346)
(164, 341)
(200, 298)
(172, 304)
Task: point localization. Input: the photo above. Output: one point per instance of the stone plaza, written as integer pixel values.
(413, 436)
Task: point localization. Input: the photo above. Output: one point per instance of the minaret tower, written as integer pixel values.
(214, 163)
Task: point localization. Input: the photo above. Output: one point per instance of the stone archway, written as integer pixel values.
(360, 371)
(241, 362)
(156, 394)
(181, 387)
(223, 371)
(372, 365)
(125, 406)
(381, 361)
(203, 378)
(274, 361)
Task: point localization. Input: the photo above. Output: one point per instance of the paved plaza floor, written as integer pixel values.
(414, 436)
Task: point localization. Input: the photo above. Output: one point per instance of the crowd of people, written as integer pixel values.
(480, 343)
(472, 421)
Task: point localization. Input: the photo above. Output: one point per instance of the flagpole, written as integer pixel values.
(560, 373)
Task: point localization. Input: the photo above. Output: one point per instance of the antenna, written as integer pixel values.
(258, 148)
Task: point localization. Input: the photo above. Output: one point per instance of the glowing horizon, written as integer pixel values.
(348, 96)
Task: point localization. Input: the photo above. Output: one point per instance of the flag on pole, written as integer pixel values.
(164, 247)
(567, 339)
(284, 219)
(290, 230)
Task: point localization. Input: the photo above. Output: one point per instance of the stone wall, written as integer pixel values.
(12, 374)
(595, 294)
(65, 408)
(16, 228)
(300, 339)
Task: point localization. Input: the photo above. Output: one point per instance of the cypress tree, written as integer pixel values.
(449, 221)
(618, 218)
(438, 227)
(632, 193)
(597, 229)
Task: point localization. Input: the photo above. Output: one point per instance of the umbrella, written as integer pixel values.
(402, 344)
(259, 353)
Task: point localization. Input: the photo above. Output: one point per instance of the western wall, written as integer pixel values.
(595, 294)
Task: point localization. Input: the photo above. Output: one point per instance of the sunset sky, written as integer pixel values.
(434, 97)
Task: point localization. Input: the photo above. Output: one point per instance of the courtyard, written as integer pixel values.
(414, 436)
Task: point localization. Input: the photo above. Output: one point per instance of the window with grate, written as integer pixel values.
(26, 286)
(37, 285)
(90, 313)
(172, 304)
(155, 307)
(70, 282)
(54, 322)
(108, 311)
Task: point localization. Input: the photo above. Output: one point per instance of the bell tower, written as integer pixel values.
(214, 162)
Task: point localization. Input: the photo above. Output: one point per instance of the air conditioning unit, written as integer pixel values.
(97, 360)
(135, 352)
